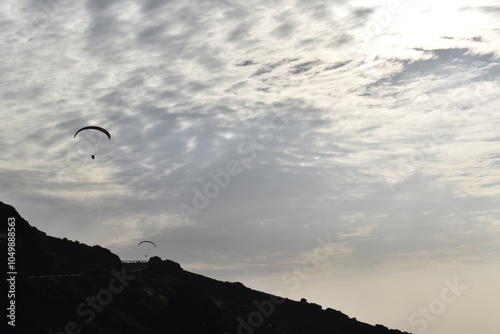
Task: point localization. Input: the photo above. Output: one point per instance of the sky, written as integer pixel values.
(346, 151)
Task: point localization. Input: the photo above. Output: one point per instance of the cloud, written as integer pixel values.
(443, 62)
(246, 63)
(362, 13)
(303, 67)
(337, 65)
(495, 10)
(154, 5)
(268, 68)
(390, 145)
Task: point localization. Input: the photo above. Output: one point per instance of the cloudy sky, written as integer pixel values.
(343, 151)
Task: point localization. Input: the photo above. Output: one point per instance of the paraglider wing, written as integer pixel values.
(148, 242)
(94, 128)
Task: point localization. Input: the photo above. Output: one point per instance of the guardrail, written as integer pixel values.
(50, 276)
(135, 261)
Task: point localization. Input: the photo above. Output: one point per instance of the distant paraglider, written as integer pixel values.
(147, 241)
(98, 128)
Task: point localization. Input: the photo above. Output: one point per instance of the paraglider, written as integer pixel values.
(92, 127)
(147, 241)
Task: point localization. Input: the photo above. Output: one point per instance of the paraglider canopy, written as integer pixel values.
(94, 128)
(148, 242)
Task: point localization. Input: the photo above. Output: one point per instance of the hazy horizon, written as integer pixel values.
(346, 152)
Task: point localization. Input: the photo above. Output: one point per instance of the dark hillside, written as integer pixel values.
(106, 296)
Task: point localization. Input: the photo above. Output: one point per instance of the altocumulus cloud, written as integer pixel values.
(390, 145)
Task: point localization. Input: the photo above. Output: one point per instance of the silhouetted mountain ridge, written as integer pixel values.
(108, 297)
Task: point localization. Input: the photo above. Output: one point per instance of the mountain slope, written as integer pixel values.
(106, 296)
